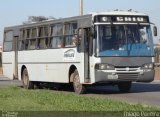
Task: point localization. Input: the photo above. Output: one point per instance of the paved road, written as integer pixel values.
(7, 82)
(141, 93)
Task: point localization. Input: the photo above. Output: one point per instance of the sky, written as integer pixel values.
(14, 12)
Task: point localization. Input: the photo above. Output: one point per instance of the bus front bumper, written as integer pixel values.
(114, 76)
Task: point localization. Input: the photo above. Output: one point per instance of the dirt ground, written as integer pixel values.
(157, 74)
(1, 73)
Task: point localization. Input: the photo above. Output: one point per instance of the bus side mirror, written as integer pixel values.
(155, 31)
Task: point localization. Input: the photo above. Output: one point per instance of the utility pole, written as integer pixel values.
(81, 8)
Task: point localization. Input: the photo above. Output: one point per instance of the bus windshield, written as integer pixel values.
(124, 40)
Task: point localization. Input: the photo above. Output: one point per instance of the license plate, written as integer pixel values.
(112, 77)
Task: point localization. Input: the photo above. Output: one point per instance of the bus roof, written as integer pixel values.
(45, 22)
(120, 12)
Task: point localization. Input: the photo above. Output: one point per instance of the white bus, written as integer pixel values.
(100, 48)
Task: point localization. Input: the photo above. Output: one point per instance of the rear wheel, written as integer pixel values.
(25, 80)
(78, 87)
(124, 87)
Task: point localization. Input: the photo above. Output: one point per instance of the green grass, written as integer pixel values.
(18, 99)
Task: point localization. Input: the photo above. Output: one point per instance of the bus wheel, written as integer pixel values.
(25, 80)
(78, 87)
(124, 87)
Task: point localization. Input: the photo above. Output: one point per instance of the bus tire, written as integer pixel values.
(25, 80)
(124, 87)
(78, 87)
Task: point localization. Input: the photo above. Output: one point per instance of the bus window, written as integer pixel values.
(57, 30)
(8, 41)
(23, 34)
(26, 44)
(21, 45)
(34, 33)
(9, 36)
(56, 42)
(68, 34)
(42, 43)
(7, 46)
(32, 44)
(56, 36)
(46, 31)
(28, 33)
(54, 31)
(41, 32)
(68, 41)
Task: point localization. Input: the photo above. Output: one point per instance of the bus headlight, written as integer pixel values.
(104, 67)
(148, 66)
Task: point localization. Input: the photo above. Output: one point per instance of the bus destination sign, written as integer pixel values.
(130, 19)
(126, 19)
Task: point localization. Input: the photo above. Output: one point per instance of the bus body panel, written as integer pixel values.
(50, 65)
(8, 61)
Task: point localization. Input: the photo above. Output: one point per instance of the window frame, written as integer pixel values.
(45, 34)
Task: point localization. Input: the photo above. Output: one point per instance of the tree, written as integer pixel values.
(33, 19)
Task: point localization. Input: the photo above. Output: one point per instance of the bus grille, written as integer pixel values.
(128, 76)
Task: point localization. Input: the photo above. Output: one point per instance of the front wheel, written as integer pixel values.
(124, 87)
(25, 80)
(78, 87)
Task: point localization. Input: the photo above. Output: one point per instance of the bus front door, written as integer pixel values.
(86, 39)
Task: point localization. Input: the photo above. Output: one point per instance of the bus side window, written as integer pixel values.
(26, 44)
(43, 33)
(32, 44)
(21, 45)
(8, 40)
(42, 43)
(40, 32)
(56, 42)
(28, 33)
(46, 31)
(56, 36)
(34, 33)
(69, 34)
